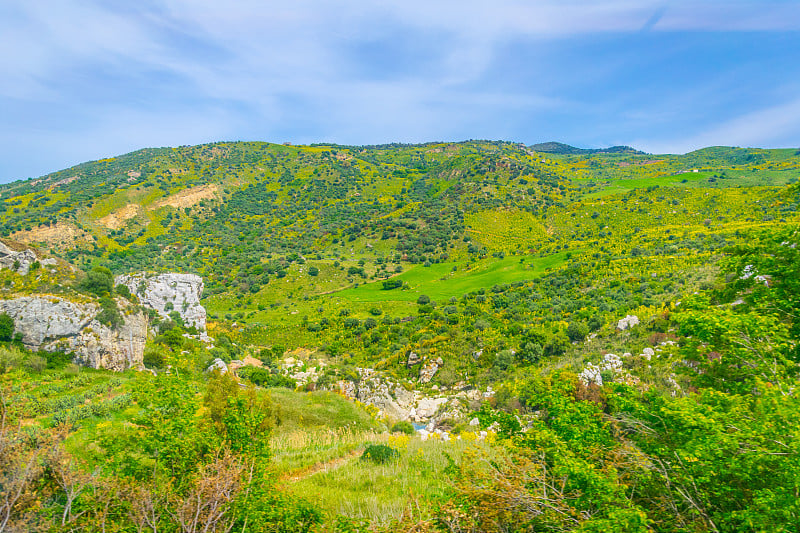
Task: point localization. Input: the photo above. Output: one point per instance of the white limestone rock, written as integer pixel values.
(427, 407)
(628, 322)
(429, 370)
(218, 364)
(53, 323)
(19, 262)
(169, 292)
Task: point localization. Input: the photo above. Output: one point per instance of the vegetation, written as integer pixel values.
(521, 270)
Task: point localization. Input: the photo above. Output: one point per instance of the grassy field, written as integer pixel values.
(382, 493)
(444, 280)
(713, 179)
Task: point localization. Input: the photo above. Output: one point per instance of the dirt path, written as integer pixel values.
(325, 466)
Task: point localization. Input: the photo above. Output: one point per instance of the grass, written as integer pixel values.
(382, 493)
(319, 410)
(444, 280)
(732, 178)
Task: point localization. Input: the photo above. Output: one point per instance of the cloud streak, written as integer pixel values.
(122, 76)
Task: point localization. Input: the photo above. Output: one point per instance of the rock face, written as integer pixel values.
(166, 293)
(413, 359)
(395, 401)
(19, 262)
(52, 323)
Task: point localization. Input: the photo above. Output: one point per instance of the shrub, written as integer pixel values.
(99, 281)
(379, 453)
(153, 359)
(6, 327)
(56, 359)
(36, 363)
(403, 427)
(10, 357)
(109, 314)
(263, 378)
(390, 284)
(123, 290)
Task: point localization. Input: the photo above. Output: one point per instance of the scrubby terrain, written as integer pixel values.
(472, 336)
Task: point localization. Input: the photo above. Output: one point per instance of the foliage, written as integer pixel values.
(99, 281)
(379, 453)
(6, 327)
(404, 427)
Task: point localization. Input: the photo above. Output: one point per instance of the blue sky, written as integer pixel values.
(82, 79)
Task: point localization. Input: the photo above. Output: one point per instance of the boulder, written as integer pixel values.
(19, 262)
(404, 398)
(429, 370)
(427, 407)
(413, 359)
(167, 293)
(628, 322)
(218, 364)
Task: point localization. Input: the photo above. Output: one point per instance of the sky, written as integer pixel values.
(82, 80)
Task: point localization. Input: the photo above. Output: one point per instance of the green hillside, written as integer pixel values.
(511, 267)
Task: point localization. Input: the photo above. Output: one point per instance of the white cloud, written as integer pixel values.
(777, 125)
(203, 69)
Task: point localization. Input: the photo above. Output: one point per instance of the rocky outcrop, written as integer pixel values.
(52, 323)
(19, 262)
(99, 346)
(373, 390)
(429, 369)
(395, 401)
(167, 293)
(219, 365)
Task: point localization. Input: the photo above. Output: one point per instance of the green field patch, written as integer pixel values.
(442, 281)
(712, 179)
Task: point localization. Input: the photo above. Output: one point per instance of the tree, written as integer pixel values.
(577, 331)
(6, 327)
(99, 281)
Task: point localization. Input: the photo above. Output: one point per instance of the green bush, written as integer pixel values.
(109, 314)
(403, 427)
(6, 327)
(264, 378)
(123, 291)
(379, 453)
(154, 358)
(99, 281)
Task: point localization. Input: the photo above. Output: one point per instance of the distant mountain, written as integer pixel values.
(561, 148)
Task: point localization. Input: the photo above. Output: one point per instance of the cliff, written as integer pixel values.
(52, 323)
(168, 293)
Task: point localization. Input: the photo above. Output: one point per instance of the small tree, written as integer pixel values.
(99, 281)
(6, 327)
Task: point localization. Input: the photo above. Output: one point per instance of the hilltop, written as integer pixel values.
(561, 148)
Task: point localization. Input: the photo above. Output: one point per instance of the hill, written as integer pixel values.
(602, 323)
(561, 148)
